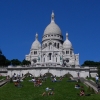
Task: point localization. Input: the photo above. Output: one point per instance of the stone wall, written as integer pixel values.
(58, 71)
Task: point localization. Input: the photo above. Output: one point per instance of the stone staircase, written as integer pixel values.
(90, 83)
(3, 82)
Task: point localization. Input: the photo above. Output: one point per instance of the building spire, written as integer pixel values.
(66, 36)
(52, 17)
(36, 36)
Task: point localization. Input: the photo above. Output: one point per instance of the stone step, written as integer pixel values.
(3, 83)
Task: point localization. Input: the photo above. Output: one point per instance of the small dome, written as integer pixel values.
(36, 44)
(52, 28)
(67, 43)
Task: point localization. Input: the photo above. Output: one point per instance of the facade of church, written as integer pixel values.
(53, 56)
(53, 51)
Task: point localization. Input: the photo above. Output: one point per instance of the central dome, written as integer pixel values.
(52, 28)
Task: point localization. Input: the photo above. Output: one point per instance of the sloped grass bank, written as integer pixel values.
(63, 91)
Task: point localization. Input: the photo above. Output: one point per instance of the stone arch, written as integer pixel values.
(28, 74)
(34, 60)
(48, 74)
(68, 75)
(52, 42)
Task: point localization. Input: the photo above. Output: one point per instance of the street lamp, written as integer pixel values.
(48, 70)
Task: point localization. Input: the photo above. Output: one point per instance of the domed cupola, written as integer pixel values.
(67, 44)
(36, 44)
(52, 31)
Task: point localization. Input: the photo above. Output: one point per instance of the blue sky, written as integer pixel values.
(21, 19)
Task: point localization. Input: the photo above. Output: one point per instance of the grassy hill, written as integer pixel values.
(63, 91)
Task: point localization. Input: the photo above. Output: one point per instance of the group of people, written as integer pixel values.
(82, 92)
(48, 92)
(37, 81)
(54, 79)
(17, 83)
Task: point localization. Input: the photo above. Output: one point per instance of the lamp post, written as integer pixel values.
(48, 70)
(78, 74)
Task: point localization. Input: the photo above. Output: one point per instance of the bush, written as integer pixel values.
(89, 89)
(79, 81)
(92, 91)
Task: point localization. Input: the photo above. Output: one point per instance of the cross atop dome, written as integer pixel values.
(52, 16)
(66, 36)
(36, 36)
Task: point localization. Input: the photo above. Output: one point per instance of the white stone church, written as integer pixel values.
(53, 51)
(53, 56)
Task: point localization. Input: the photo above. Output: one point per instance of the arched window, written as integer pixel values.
(55, 44)
(50, 56)
(58, 45)
(50, 45)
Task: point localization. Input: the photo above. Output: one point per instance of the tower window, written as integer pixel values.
(67, 52)
(35, 52)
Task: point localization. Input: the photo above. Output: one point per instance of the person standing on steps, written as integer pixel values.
(97, 79)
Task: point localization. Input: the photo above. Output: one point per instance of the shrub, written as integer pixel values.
(92, 91)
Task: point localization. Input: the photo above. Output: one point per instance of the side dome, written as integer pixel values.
(52, 28)
(36, 44)
(67, 44)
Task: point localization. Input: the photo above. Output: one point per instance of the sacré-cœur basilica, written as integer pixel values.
(53, 55)
(53, 51)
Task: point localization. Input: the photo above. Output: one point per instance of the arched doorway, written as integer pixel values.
(68, 75)
(48, 74)
(28, 75)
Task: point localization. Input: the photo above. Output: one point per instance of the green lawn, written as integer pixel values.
(63, 91)
(2, 77)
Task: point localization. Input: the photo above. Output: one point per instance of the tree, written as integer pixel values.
(7, 62)
(91, 63)
(2, 59)
(25, 62)
(15, 62)
(0, 52)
